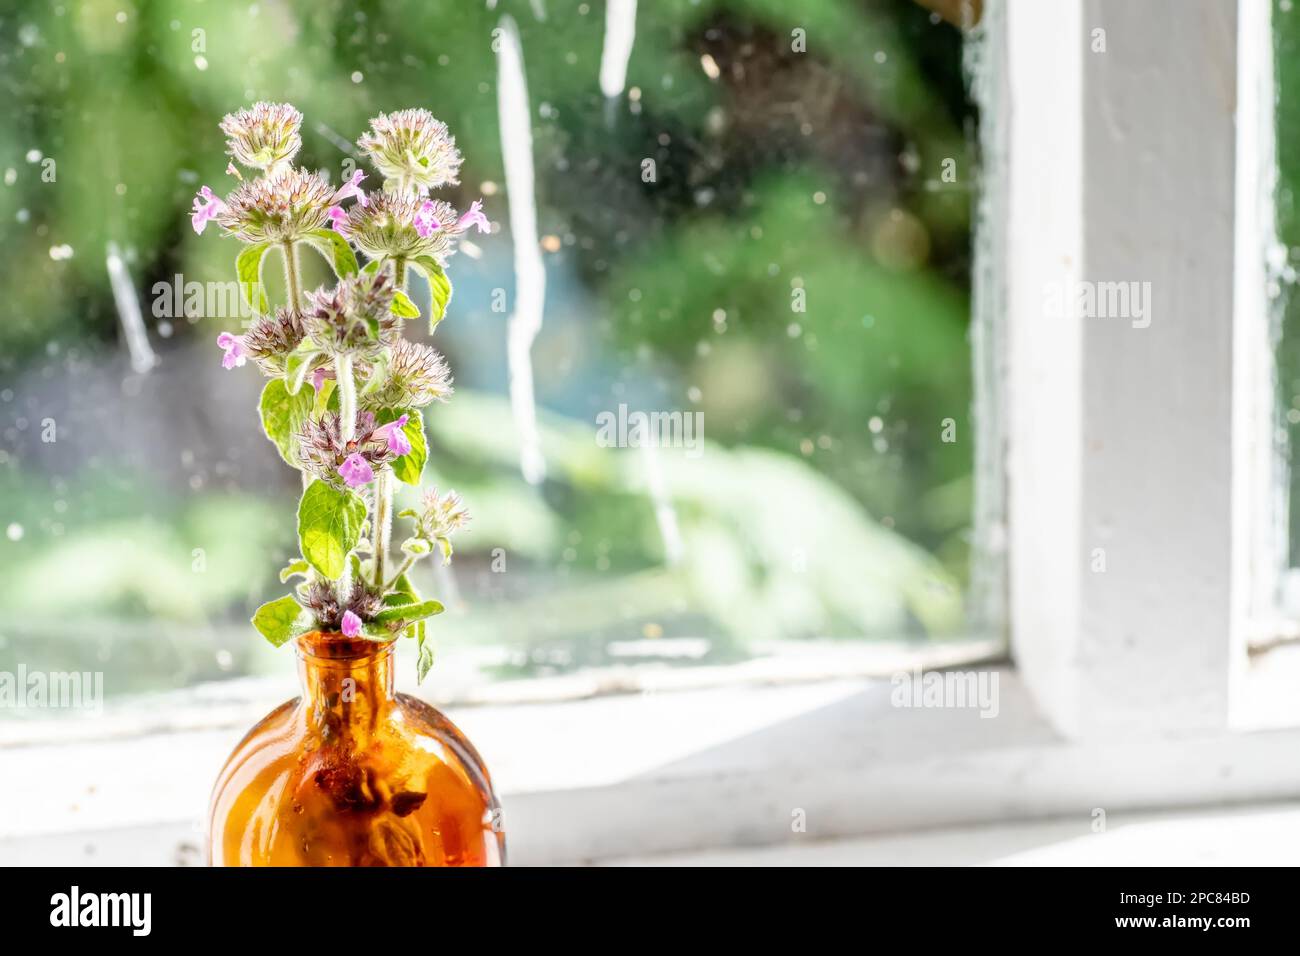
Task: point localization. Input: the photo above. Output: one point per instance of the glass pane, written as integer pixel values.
(1286, 37)
(762, 232)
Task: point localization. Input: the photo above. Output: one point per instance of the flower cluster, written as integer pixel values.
(358, 427)
(327, 455)
(282, 207)
(417, 375)
(399, 226)
(413, 150)
(265, 136)
(440, 515)
(271, 338)
(438, 518)
(355, 316)
(323, 600)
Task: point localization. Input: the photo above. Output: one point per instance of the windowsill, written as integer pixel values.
(630, 775)
(1263, 835)
(463, 680)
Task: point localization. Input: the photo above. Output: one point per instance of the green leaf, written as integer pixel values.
(276, 619)
(404, 593)
(403, 307)
(371, 267)
(377, 632)
(410, 466)
(300, 363)
(294, 568)
(439, 288)
(329, 526)
(407, 613)
(248, 267)
(424, 660)
(282, 415)
(378, 374)
(326, 400)
(416, 547)
(336, 250)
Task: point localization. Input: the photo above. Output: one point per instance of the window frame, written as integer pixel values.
(1120, 689)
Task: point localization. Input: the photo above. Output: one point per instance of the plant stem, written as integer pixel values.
(406, 566)
(292, 280)
(384, 483)
(293, 287)
(347, 386)
(383, 521)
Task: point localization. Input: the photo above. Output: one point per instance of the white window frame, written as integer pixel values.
(1151, 161)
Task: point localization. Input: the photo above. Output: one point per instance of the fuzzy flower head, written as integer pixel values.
(265, 136)
(271, 338)
(417, 375)
(280, 207)
(353, 463)
(400, 226)
(441, 515)
(413, 151)
(354, 316)
(322, 600)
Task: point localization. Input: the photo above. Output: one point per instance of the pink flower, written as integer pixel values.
(393, 434)
(338, 219)
(351, 624)
(235, 351)
(425, 224)
(206, 206)
(474, 217)
(356, 471)
(318, 378)
(352, 188)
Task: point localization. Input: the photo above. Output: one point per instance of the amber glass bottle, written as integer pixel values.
(351, 774)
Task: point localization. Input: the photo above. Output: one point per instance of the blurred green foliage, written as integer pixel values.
(816, 171)
(1286, 47)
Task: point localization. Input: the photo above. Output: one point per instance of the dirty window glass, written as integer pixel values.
(749, 429)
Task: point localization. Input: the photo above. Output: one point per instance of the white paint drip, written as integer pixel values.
(620, 33)
(128, 313)
(665, 514)
(530, 275)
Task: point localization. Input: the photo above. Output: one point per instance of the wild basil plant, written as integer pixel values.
(345, 391)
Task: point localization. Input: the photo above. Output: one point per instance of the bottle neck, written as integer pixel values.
(347, 684)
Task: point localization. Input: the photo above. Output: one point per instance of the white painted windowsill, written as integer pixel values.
(686, 771)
